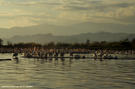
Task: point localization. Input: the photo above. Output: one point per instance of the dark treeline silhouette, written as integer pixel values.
(121, 45)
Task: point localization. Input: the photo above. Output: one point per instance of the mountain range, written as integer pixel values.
(46, 38)
(81, 32)
(67, 30)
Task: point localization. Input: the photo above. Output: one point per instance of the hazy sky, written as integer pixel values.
(62, 12)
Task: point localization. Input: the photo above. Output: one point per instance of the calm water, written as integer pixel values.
(67, 74)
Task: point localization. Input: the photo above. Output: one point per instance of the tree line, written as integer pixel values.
(117, 45)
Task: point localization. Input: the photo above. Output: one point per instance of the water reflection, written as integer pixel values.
(16, 59)
(56, 61)
(63, 61)
(68, 73)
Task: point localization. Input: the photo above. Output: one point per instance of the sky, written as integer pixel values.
(23, 13)
(65, 17)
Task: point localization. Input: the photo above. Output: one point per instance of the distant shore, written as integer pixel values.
(106, 50)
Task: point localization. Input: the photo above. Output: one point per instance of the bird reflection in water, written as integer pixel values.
(70, 62)
(56, 61)
(63, 61)
(50, 59)
(42, 61)
(16, 59)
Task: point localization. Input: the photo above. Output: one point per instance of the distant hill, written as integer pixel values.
(46, 38)
(67, 30)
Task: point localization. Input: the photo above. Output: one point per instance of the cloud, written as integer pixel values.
(29, 3)
(111, 11)
(22, 22)
(63, 12)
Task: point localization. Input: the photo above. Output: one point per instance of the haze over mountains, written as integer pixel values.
(67, 29)
(46, 38)
(70, 33)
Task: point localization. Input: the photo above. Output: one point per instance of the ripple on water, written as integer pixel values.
(68, 74)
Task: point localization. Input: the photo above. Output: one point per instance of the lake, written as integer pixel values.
(66, 74)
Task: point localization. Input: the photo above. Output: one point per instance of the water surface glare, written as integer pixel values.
(67, 74)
